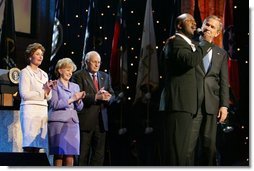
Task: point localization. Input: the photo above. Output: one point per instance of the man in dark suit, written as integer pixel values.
(93, 118)
(179, 97)
(213, 95)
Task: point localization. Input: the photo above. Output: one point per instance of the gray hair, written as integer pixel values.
(88, 56)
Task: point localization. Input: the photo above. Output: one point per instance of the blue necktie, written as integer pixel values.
(206, 61)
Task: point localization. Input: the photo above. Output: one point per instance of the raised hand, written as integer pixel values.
(47, 87)
(79, 95)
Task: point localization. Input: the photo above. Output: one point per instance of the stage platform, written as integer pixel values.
(11, 153)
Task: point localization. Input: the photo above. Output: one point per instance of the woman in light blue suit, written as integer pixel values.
(64, 136)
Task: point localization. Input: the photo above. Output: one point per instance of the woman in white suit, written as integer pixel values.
(35, 91)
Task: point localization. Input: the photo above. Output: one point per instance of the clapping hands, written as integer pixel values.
(48, 86)
(103, 95)
(78, 96)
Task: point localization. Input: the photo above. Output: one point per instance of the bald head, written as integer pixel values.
(180, 19)
(185, 24)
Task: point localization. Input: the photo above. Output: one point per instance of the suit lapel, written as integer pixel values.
(211, 62)
(63, 87)
(201, 68)
(100, 80)
(43, 80)
(214, 59)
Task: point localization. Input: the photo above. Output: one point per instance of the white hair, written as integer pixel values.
(89, 55)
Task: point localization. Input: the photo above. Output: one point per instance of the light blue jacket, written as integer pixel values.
(59, 109)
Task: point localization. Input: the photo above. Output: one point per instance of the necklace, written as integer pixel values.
(36, 72)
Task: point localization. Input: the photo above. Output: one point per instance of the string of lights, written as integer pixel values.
(74, 25)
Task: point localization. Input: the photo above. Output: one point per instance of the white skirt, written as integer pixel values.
(34, 120)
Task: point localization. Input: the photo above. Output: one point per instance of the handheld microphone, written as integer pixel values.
(199, 32)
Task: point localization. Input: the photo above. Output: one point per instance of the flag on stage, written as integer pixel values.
(92, 39)
(118, 60)
(148, 75)
(230, 46)
(8, 37)
(57, 37)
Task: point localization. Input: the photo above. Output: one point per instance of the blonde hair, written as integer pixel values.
(64, 63)
(31, 48)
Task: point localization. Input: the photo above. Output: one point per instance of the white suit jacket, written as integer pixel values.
(31, 87)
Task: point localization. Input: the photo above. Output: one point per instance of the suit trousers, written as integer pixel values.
(92, 147)
(202, 149)
(178, 129)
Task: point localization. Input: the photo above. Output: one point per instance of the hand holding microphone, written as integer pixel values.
(206, 35)
(199, 32)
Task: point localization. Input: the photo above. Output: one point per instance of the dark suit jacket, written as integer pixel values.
(180, 92)
(92, 109)
(213, 86)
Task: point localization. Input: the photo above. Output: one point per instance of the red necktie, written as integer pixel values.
(95, 82)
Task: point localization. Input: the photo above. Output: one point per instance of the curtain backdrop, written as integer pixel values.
(206, 7)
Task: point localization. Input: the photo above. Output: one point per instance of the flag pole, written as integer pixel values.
(121, 86)
(148, 82)
(7, 56)
(122, 130)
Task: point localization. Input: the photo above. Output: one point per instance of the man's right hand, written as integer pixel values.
(103, 95)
